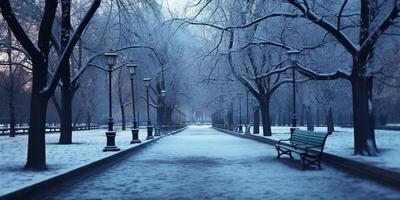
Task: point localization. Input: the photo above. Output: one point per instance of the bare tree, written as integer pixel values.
(370, 27)
(42, 88)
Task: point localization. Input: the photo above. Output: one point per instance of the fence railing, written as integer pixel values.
(49, 129)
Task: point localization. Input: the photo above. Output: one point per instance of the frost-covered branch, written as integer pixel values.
(319, 76)
(247, 25)
(92, 58)
(320, 21)
(278, 71)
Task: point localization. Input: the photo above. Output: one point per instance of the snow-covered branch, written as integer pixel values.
(92, 58)
(319, 76)
(329, 27)
(247, 25)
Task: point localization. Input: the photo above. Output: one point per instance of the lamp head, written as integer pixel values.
(111, 58)
(293, 55)
(132, 68)
(147, 83)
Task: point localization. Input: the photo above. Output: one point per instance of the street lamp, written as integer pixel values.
(132, 67)
(111, 60)
(247, 130)
(293, 57)
(160, 112)
(149, 127)
(240, 114)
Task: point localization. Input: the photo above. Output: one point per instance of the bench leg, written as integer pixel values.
(317, 162)
(281, 152)
(310, 161)
(303, 161)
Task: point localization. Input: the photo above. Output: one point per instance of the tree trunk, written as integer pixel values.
(317, 117)
(123, 120)
(66, 115)
(329, 121)
(138, 119)
(364, 134)
(256, 124)
(302, 115)
(230, 118)
(279, 117)
(265, 116)
(77, 118)
(159, 112)
(88, 120)
(272, 119)
(66, 89)
(12, 114)
(36, 158)
(120, 100)
(310, 123)
(11, 91)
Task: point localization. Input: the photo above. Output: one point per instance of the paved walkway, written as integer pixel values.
(201, 163)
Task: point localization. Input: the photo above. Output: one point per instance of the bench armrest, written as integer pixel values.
(311, 147)
(280, 141)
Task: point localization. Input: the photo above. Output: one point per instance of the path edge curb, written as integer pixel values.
(57, 179)
(362, 170)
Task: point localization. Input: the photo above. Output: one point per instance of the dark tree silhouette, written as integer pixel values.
(42, 87)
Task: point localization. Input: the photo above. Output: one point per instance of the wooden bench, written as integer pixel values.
(309, 145)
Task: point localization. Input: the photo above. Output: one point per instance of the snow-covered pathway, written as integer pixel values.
(201, 163)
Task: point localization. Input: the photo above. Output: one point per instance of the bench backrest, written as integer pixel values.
(308, 138)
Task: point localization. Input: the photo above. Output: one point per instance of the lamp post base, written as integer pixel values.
(135, 136)
(149, 133)
(240, 127)
(247, 129)
(157, 132)
(111, 142)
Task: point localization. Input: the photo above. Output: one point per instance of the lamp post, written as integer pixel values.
(135, 129)
(293, 57)
(111, 60)
(149, 127)
(231, 126)
(247, 107)
(240, 114)
(162, 107)
(247, 130)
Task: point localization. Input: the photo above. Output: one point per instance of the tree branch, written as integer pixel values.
(341, 37)
(17, 29)
(317, 76)
(46, 25)
(339, 18)
(88, 63)
(371, 40)
(49, 90)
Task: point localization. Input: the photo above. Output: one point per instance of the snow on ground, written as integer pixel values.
(341, 143)
(201, 163)
(87, 148)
